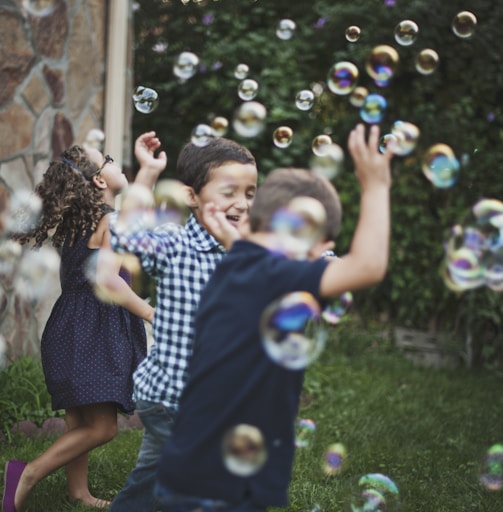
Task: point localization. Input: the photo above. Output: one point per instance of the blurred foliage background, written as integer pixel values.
(460, 104)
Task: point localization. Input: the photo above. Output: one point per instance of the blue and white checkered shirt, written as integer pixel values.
(181, 260)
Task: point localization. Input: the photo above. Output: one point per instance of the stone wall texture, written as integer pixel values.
(52, 83)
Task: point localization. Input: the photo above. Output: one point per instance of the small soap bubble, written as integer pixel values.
(338, 308)
(186, 65)
(381, 64)
(241, 71)
(407, 137)
(145, 99)
(406, 32)
(358, 95)
(171, 202)
(376, 492)
(463, 25)
(282, 137)
(39, 8)
(219, 125)
(249, 119)
(387, 141)
(334, 459)
(94, 139)
(202, 135)
(248, 89)
(244, 450)
(353, 33)
(291, 335)
(492, 468)
(328, 162)
(285, 29)
(23, 211)
(137, 205)
(440, 166)
(304, 433)
(304, 100)
(427, 61)
(373, 108)
(342, 77)
(319, 144)
(10, 255)
(36, 271)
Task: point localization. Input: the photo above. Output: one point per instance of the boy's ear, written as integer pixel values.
(191, 197)
(99, 182)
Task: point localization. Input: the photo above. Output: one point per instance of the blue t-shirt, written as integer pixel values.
(232, 381)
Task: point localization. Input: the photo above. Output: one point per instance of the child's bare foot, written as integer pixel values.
(91, 501)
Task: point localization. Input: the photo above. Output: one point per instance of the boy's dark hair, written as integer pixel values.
(195, 163)
(283, 185)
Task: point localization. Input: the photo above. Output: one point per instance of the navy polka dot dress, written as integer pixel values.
(89, 348)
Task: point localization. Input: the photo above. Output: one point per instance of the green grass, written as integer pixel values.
(427, 430)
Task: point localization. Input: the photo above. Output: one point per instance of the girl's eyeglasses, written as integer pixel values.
(108, 160)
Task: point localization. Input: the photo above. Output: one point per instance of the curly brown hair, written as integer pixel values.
(71, 205)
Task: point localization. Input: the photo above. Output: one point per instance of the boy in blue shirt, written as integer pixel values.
(180, 259)
(232, 382)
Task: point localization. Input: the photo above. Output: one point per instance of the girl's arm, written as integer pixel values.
(110, 285)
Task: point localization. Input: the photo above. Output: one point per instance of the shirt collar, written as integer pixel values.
(200, 238)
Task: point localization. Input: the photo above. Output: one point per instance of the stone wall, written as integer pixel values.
(52, 83)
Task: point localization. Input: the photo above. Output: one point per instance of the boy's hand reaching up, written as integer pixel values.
(217, 225)
(371, 166)
(151, 166)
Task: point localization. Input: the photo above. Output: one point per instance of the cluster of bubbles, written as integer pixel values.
(474, 249)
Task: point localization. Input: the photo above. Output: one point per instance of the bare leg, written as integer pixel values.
(77, 469)
(88, 426)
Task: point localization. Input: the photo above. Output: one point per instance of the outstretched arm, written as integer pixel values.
(367, 260)
(151, 166)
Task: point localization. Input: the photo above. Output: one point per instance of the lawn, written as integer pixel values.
(426, 430)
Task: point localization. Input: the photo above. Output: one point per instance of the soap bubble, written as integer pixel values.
(376, 493)
(353, 33)
(463, 24)
(342, 77)
(219, 125)
(249, 119)
(185, 65)
(304, 99)
(427, 61)
(202, 135)
(282, 136)
(241, 71)
(334, 459)
(23, 211)
(388, 140)
(338, 308)
(36, 272)
(440, 166)
(290, 332)
(373, 108)
(304, 433)
(39, 8)
(492, 468)
(170, 201)
(407, 137)
(248, 89)
(298, 226)
(381, 64)
(94, 139)
(10, 255)
(319, 144)
(285, 29)
(244, 450)
(328, 162)
(145, 99)
(406, 32)
(358, 95)
(137, 204)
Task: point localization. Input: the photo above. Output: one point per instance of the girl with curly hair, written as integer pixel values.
(89, 347)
